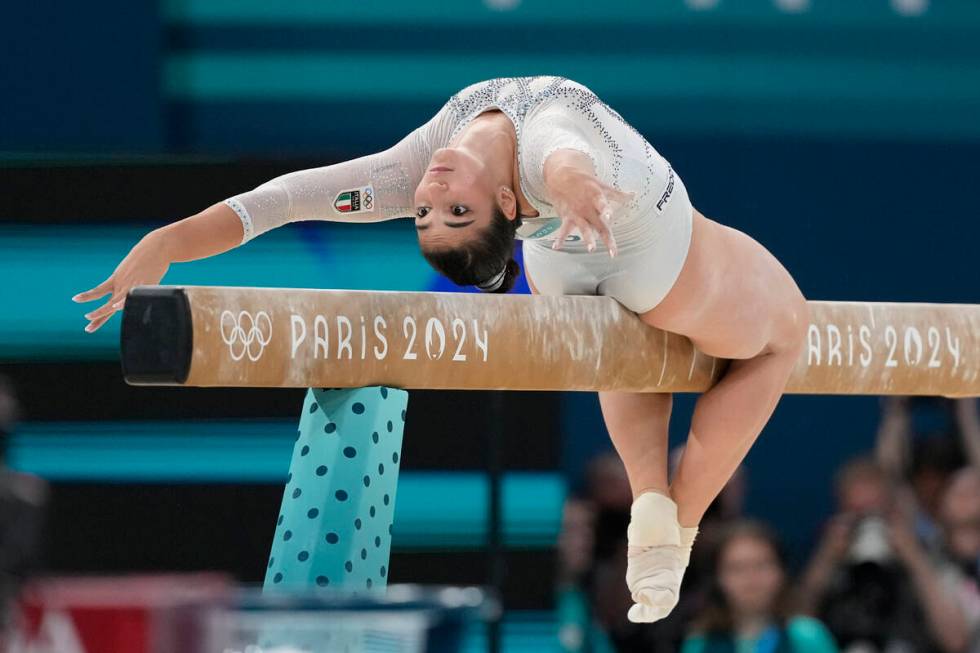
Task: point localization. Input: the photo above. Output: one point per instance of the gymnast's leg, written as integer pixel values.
(726, 422)
(755, 315)
(637, 425)
(736, 301)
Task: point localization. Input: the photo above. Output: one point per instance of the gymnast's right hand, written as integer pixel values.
(145, 264)
(214, 230)
(583, 201)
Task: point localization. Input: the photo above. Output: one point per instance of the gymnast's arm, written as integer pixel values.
(368, 189)
(372, 188)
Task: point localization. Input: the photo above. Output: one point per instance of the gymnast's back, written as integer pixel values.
(548, 113)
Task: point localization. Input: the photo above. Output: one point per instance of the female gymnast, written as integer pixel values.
(600, 211)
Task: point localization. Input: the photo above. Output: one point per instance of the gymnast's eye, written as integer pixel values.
(460, 210)
(422, 211)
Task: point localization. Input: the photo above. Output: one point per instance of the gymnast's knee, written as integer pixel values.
(790, 330)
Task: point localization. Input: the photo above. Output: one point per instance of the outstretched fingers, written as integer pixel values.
(95, 324)
(108, 308)
(590, 208)
(99, 291)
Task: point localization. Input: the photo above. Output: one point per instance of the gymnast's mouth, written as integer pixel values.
(440, 169)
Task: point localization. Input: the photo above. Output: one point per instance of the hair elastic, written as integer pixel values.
(494, 282)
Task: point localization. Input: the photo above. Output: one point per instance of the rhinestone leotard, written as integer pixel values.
(548, 113)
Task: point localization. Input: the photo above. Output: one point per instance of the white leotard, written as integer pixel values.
(548, 113)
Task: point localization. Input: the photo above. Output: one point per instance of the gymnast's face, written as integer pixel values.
(455, 199)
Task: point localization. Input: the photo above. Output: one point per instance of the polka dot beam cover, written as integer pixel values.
(334, 527)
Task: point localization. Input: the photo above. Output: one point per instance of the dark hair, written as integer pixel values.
(483, 258)
(716, 619)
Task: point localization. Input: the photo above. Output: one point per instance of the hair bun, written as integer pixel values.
(511, 272)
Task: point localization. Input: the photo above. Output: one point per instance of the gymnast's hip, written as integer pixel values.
(653, 237)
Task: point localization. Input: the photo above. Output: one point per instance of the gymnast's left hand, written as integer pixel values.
(582, 200)
(145, 264)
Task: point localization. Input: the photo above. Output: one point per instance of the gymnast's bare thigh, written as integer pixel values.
(732, 297)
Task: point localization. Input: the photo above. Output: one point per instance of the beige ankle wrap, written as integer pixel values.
(653, 521)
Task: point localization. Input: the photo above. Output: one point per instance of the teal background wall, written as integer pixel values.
(235, 71)
(308, 76)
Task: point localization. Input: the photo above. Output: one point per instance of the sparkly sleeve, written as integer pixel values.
(371, 188)
(555, 128)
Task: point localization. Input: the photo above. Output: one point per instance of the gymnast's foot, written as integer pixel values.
(659, 552)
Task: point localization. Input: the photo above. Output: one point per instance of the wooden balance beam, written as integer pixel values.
(286, 337)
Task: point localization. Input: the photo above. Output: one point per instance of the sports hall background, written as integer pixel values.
(844, 136)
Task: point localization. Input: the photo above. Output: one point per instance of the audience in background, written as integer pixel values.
(923, 461)
(576, 541)
(897, 569)
(608, 487)
(593, 526)
(748, 606)
(577, 630)
(960, 526)
(870, 579)
(22, 501)
(883, 576)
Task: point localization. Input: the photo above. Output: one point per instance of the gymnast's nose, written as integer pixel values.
(439, 186)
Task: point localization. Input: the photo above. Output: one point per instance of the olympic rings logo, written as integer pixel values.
(246, 335)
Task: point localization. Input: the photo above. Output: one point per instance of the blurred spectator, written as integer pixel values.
(925, 462)
(748, 606)
(592, 525)
(607, 484)
(968, 426)
(22, 500)
(960, 521)
(576, 541)
(608, 489)
(871, 579)
(577, 630)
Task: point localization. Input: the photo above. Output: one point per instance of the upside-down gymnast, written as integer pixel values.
(600, 212)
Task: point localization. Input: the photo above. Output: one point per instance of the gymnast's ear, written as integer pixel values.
(507, 201)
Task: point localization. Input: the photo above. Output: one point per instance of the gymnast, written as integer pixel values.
(600, 212)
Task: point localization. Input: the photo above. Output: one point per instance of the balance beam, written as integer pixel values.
(276, 337)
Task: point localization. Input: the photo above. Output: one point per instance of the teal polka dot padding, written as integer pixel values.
(334, 527)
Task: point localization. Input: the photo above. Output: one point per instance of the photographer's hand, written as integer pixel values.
(827, 555)
(901, 530)
(837, 536)
(892, 443)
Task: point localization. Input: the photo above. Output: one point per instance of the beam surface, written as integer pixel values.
(278, 337)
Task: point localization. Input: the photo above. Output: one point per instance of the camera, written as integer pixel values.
(869, 542)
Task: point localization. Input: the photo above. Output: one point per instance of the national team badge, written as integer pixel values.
(356, 200)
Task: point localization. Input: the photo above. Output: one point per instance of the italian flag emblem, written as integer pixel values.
(355, 200)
